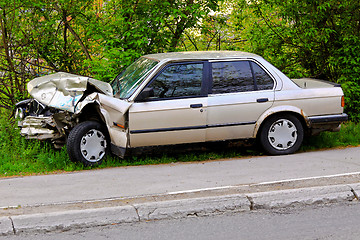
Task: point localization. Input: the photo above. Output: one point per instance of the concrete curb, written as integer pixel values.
(192, 207)
(6, 226)
(46, 222)
(300, 197)
(179, 208)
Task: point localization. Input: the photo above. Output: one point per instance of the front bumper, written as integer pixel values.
(41, 128)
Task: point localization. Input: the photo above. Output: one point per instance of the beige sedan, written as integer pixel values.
(185, 97)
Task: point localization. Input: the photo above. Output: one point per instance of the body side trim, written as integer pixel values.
(191, 127)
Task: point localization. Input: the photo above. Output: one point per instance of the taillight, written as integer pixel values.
(342, 101)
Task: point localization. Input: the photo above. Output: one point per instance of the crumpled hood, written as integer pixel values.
(64, 90)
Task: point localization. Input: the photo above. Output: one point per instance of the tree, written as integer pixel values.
(216, 30)
(59, 34)
(86, 37)
(38, 37)
(15, 66)
(133, 28)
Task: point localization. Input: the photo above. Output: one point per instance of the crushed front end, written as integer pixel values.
(38, 121)
(53, 111)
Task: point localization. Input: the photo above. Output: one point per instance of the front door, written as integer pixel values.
(177, 111)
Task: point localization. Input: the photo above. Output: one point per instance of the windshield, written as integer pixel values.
(129, 80)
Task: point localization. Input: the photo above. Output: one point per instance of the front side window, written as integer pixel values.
(178, 80)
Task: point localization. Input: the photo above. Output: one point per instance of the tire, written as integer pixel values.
(88, 142)
(281, 134)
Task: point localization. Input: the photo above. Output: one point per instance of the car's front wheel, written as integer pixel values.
(88, 143)
(281, 134)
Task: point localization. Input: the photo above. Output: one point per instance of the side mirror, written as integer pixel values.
(145, 93)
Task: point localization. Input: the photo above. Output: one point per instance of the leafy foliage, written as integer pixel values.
(37, 38)
(319, 38)
(215, 31)
(86, 37)
(134, 28)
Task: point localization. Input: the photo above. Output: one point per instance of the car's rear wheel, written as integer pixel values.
(88, 143)
(281, 134)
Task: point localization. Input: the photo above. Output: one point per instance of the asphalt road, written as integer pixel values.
(158, 179)
(325, 222)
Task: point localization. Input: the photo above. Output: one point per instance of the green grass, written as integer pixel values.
(349, 135)
(19, 156)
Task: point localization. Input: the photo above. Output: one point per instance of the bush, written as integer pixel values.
(352, 100)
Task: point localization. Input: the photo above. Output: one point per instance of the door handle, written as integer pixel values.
(199, 105)
(260, 100)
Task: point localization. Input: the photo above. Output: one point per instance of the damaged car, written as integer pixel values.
(176, 98)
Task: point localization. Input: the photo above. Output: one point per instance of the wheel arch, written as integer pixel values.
(298, 113)
(110, 117)
(91, 112)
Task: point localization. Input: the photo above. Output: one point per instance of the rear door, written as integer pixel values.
(177, 111)
(241, 90)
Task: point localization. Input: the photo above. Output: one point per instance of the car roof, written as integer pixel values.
(200, 55)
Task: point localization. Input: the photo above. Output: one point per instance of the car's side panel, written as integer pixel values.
(167, 122)
(113, 112)
(320, 101)
(305, 103)
(232, 116)
(274, 110)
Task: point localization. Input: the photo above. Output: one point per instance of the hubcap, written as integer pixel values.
(93, 145)
(282, 134)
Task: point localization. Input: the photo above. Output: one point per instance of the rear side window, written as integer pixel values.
(239, 76)
(231, 77)
(178, 80)
(263, 80)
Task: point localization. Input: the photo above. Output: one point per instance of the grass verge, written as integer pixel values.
(19, 157)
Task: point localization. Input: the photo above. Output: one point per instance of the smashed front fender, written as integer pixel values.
(112, 104)
(113, 112)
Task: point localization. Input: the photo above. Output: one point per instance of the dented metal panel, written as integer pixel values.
(113, 111)
(63, 90)
(103, 100)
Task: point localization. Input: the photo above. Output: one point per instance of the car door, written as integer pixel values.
(240, 92)
(177, 111)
